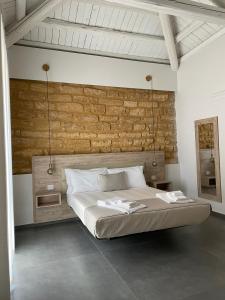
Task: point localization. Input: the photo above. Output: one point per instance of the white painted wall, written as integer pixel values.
(6, 194)
(26, 63)
(201, 94)
(23, 195)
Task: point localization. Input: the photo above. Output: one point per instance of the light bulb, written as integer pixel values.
(50, 169)
(154, 163)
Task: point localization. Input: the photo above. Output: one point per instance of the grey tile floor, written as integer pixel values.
(64, 262)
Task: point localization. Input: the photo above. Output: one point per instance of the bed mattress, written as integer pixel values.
(108, 223)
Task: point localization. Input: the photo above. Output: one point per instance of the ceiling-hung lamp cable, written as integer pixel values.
(154, 162)
(45, 68)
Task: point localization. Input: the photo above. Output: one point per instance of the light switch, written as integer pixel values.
(50, 187)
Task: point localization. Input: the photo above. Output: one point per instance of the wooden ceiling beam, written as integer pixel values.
(20, 9)
(57, 23)
(132, 57)
(183, 8)
(169, 40)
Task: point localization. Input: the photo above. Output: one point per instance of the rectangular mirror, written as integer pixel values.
(208, 162)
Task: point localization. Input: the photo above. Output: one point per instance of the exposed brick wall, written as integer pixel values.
(206, 137)
(89, 119)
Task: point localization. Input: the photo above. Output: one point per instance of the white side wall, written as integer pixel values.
(6, 193)
(201, 94)
(26, 63)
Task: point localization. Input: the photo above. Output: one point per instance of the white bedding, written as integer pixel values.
(81, 201)
(106, 223)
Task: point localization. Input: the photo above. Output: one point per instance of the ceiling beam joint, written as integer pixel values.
(22, 27)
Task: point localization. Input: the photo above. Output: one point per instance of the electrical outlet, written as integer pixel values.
(50, 187)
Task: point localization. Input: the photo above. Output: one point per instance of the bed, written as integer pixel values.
(108, 223)
(104, 222)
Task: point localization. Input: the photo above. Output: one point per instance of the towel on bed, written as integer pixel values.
(174, 197)
(123, 205)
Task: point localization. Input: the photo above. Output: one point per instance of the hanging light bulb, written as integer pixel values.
(50, 169)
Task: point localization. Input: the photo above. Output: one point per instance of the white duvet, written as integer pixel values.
(81, 201)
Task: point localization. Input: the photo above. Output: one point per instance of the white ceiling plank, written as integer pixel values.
(94, 14)
(20, 9)
(73, 11)
(49, 32)
(107, 17)
(92, 52)
(41, 34)
(126, 20)
(138, 22)
(186, 8)
(22, 27)
(188, 30)
(204, 44)
(87, 13)
(169, 40)
(69, 36)
(55, 36)
(131, 23)
(58, 11)
(119, 20)
(88, 41)
(34, 34)
(75, 39)
(66, 9)
(49, 22)
(62, 37)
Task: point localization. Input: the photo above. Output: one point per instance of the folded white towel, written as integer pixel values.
(172, 199)
(174, 196)
(112, 205)
(127, 204)
(176, 193)
(120, 202)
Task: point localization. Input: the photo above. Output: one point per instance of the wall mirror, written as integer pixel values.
(208, 161)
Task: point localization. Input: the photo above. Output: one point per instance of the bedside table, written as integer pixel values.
(163, 185)
(48, 199)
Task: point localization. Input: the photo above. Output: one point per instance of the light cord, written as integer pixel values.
(50, 170)
(154, 163)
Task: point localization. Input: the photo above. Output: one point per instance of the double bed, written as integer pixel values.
(105, 222)
(108, 223)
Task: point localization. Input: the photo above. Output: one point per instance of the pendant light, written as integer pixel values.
(154, 162)
(50, 169)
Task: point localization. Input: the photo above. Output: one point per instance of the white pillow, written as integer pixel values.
(135, 176)
(79, 181)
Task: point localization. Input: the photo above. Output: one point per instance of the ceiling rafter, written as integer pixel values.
(92, 52)
(185, 8)
(169, 40)
(58, 23)
(21, 28)
(20, 9)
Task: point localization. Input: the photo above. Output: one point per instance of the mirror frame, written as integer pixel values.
(218, 197)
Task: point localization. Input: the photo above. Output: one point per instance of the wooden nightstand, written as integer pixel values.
(163, 185)
(48, 199)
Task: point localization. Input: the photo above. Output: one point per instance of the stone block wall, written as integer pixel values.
(89, 119)
(206, 136)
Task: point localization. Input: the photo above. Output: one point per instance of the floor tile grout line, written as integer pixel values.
(108, 262)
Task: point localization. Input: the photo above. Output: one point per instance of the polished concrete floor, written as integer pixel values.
(64, 262)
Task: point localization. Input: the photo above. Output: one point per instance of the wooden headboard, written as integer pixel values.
(84, 161)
